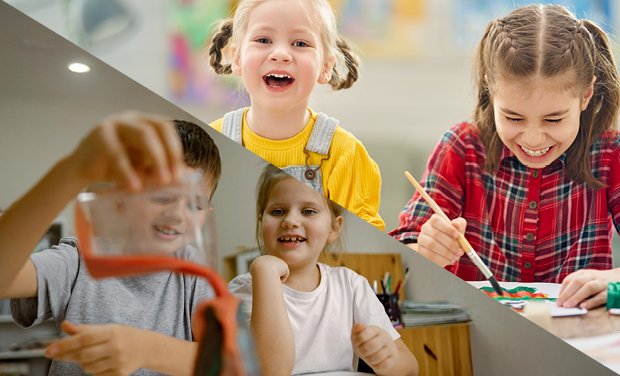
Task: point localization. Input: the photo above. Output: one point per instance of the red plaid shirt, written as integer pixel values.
(527, 225)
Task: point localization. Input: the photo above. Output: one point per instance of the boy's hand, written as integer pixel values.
(585, 288)
(375, 346)
(130, 149)
(99, 349)
(269, 264)
(438, 240)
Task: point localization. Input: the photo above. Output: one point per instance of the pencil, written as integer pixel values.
(406, 275)
(397, 287)
(402, 281)
(469, 250)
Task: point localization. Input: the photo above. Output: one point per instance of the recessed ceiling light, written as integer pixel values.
(79, 68)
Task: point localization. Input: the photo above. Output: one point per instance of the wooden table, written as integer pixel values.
(594, 323)
(596, 333)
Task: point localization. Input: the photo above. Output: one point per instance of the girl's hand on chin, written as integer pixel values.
(269, 264)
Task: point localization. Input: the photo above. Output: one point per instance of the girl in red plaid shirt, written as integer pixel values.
(534, 180)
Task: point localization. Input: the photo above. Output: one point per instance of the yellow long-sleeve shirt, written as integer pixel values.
(350, 177)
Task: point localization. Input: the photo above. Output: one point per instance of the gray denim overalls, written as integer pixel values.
(319, 142)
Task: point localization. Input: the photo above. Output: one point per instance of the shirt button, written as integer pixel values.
(533, 204)
(535, 173)
(527, 265)
(529, 236)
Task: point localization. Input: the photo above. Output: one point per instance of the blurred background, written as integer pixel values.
(415, 79)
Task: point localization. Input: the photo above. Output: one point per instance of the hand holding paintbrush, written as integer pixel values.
(469, 251)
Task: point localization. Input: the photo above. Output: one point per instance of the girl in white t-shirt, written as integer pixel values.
(306, 316)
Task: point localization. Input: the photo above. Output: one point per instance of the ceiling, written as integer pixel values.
(34, 63)
(44, 108)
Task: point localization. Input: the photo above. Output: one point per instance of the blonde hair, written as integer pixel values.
(322, 13)
(268, 180)
(546, 41)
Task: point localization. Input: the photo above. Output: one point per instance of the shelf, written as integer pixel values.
(22, 354)
(6, 319)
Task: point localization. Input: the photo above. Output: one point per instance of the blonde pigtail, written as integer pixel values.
(218, 43)
(351, 61)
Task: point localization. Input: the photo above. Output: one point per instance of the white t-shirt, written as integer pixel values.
(322, 319)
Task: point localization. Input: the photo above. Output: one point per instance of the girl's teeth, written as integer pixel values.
(279, 75)
(291, 239)
(535, 153)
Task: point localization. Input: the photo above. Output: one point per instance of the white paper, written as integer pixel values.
(563, 311)
(614, 311)
(551, 289)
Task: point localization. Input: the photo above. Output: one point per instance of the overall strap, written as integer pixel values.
(322, 134)
(233, 124)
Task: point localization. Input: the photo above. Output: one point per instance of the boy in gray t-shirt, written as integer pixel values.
(126, 325)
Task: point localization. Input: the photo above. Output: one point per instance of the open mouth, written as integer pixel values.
(277, 80)
(166, 232)
(291, 239)
(535, 153)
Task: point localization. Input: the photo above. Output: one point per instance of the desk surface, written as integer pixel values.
(596, 333)
(596, 322)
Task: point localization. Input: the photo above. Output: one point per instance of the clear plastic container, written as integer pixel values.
(167, 228)
(128, 233)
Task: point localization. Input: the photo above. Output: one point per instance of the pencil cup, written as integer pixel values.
(390, 304)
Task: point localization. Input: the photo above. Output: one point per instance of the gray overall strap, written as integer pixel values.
(233, 124)
(320, 138)
(322, 134)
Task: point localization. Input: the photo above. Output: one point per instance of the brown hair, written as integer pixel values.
(333, 43)
(269, 178)
(546, 41)
(199, 150)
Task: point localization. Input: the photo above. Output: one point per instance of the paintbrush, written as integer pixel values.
(469, 250)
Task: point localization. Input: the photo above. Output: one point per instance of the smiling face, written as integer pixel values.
(165, 220)
(538, 121)
(280, 56)
(297, 224)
